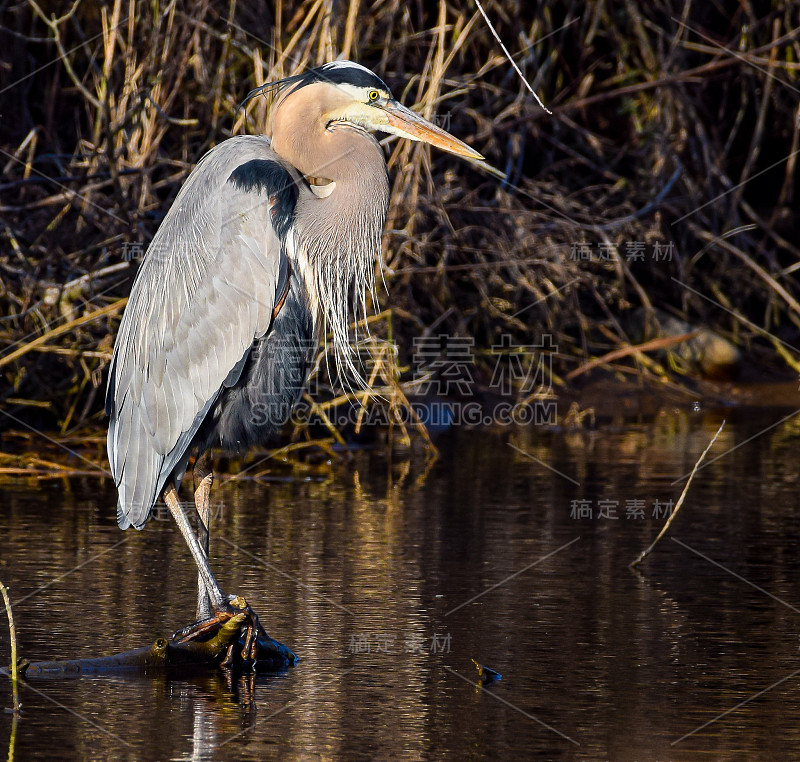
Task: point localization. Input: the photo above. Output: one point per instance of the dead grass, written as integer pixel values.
(672, 123)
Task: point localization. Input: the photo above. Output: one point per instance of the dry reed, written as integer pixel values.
(674, 127)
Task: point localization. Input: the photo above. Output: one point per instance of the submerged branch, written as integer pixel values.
(666, 526)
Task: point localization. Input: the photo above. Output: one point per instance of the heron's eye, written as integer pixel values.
(373, 95)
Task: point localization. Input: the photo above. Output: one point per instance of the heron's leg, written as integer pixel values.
(257, 644)
(203, 479)
(215, 594)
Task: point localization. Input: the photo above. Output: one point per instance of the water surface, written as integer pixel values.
(388, 577)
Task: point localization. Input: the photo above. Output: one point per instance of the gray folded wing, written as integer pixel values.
(205, 290)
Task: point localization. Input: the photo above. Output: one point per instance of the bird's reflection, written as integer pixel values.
(223, 705)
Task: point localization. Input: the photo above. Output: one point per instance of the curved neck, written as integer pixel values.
(343, 153)
(337, 237)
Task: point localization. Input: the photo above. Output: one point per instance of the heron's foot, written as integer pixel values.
(235, 638)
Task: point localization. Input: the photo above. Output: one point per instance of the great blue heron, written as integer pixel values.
(268, 244)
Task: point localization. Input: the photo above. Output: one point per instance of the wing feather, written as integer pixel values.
(205, 290)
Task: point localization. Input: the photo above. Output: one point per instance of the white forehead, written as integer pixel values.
(354, 91)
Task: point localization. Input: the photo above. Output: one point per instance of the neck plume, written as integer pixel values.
(337, 230)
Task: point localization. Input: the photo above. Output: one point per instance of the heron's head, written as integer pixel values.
(322, 123)
(346, 95)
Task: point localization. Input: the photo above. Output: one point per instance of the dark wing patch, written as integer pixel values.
(271, 178)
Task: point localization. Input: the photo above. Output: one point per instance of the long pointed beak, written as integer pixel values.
(407, 124)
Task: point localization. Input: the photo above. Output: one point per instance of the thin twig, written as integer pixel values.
(666, 526)
(13, 633)
(509, 57)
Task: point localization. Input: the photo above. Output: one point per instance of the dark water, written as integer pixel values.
(388, 580)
